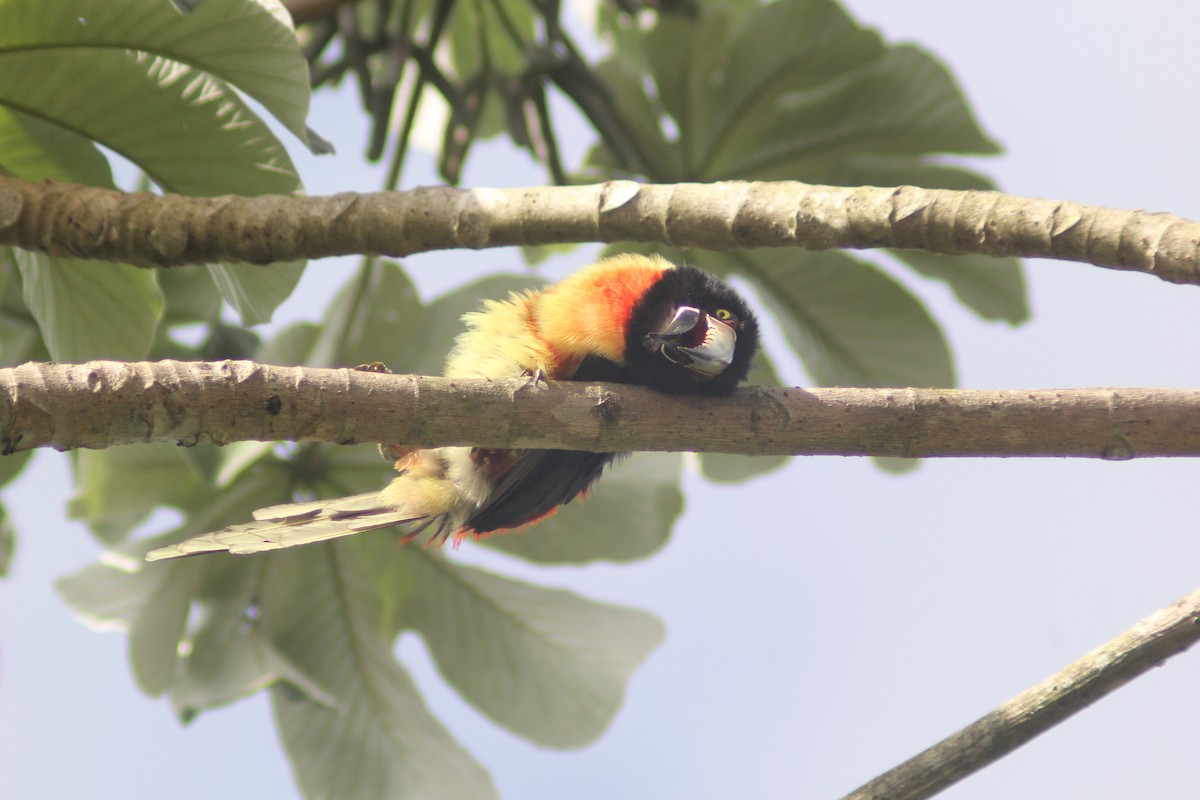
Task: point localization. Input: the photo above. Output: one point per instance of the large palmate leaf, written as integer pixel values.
(149, 84)
(321, 610)
(723, 76)
(227, 658)
(185, 122)
(797, 90)
(790, 89)
(247, 43)
(852, 324)
(547, 664)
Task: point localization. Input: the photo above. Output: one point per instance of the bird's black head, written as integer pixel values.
(690, 334)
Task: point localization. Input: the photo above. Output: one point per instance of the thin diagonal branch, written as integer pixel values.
(105, 403)
(149, 230)
(1136, 651)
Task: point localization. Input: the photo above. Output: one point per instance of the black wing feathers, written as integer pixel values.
(541, 480)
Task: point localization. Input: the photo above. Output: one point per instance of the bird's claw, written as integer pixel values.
(533, 378)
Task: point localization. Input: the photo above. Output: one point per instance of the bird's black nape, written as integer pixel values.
(650, 365)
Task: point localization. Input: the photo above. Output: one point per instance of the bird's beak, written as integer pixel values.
(695, 340)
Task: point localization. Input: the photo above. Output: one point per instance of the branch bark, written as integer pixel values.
(105, 403)
(163, 231)
(1144, 646)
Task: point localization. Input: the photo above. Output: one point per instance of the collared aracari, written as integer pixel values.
(627, 319)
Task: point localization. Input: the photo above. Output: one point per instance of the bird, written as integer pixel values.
(630, 318)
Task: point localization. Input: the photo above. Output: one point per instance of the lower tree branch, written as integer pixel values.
(162, 231)
(105, 403)
(1144, 646)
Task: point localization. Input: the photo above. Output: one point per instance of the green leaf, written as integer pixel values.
(237, 457)
(489, 47)
(150, 84)
(640, 118)
(190, 296)
(732, 468)
(320, 610)
(537, 254)
(87, 310)
(376, 316)
(900, 170)
(480, 39)
(291, 346)
(256, 291)
(228, 657)
(32, 149)
(153, 601)
(231, 660)
(994, 288)
(8, 541)
(118, 487)
(851, 323)
(12, 464)
(547, 664)
(793, 89)
(628, 516)
(341, 470)
(905, 103)
(111, 594)
(159, 625)
(897, 466)
(248, 43)
(722, 74)
(171, 121)
(20, 338)
(797, 90)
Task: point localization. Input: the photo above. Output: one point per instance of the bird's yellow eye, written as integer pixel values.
(723, 314)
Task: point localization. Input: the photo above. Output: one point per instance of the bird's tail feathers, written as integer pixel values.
(292, 524)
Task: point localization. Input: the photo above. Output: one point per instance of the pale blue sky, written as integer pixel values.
(828, 621)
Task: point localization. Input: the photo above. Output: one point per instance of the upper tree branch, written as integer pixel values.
(160, 231)
(106, 403)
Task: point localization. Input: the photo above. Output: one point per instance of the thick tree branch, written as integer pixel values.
(157, 231)
(1141, 648)
(105, 403)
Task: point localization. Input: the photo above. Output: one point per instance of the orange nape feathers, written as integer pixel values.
(553, 330)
